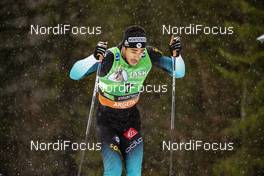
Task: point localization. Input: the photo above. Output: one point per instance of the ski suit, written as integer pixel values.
(118, 119)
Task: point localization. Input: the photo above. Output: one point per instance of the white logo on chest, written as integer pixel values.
(138, 73)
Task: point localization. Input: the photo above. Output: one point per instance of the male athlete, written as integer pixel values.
(123, 70)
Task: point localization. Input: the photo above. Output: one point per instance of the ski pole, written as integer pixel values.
(173, 101)
(89, 121)
(173, 93)
(172, 114)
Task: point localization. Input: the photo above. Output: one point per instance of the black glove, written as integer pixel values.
(100, 49)
(175, 45)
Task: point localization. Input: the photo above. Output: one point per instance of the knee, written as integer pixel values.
(134, 161)
(112, 162)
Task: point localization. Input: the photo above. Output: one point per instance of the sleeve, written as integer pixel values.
(107, 63)
(89, 65)
(84, 67)
(166, 63)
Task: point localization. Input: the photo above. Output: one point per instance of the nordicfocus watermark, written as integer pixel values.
(62, 29)
(62, 145)
(195, 145)
(196, 29)
(130, 87)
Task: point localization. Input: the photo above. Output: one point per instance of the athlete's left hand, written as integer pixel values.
(175, 46)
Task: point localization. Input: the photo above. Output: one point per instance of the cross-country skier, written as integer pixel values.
(122, 73)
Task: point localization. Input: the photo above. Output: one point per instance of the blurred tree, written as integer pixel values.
(244, 66)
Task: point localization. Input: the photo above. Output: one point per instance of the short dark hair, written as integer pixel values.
(135, 31)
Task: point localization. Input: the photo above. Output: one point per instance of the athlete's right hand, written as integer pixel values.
(100, 49)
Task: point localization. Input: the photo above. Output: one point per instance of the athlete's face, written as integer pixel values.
(133, 55)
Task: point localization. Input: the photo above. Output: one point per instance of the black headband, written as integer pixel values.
(134, 37)
(135, 42)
